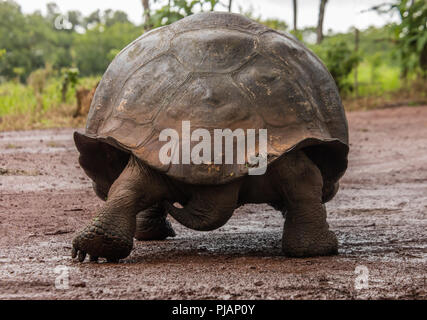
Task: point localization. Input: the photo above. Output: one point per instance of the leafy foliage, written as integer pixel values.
(69, 76)
(340, 61)
(31, 41)
(20, 40)
(95, 49)
(271, 23)
(411, 34)
(37, 79)
(174, 10)
(275, 24)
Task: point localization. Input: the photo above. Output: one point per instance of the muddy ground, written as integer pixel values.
(379, 216)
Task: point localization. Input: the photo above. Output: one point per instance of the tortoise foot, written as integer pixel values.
(299, 243)
(102, 240)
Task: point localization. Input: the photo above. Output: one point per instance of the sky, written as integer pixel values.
(340, 15)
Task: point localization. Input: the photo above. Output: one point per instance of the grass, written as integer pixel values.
(411, 93)
(375, 81)
(21, 108)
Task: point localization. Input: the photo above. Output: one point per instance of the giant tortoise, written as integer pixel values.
(215, 71)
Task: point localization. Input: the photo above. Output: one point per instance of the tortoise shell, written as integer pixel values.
(216, 70)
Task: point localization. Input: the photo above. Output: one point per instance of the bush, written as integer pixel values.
(69, 76)
(340, 61)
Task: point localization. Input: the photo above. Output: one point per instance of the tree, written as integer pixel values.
(175, 10)
(93, 19)
(146, 7)
(30, 42)
(69, 76)
(274, 24)
(295, 14)
(340, 60)
(111, 17)
(320, 21)
(230, 3)
(27, 39)
(410, 35)
(52, 11)
(95, 49)
(75, 19)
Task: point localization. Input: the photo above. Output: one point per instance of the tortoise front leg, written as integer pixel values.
(110, 234)
(151, 224)
(306, 232)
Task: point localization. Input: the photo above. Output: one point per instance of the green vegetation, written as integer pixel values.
(175, 10)
(340, 59)
(70, 76)
(22, 107)
(376, 79)
(44, 59)
(389, 60)
(96, 48)
(410, 35)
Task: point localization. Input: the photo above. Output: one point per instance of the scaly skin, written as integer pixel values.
(294, 184)
(151, 224)
(306, 232)
(110, 234)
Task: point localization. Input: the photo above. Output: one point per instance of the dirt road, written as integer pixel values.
(379, 216)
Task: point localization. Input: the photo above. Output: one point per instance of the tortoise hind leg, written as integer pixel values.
(151, 224)
(306, 232)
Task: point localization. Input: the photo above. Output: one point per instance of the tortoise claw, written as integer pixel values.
(81, 256)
